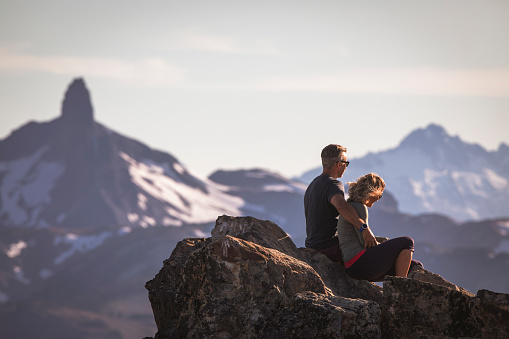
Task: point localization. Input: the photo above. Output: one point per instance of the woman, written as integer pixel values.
(392, 257)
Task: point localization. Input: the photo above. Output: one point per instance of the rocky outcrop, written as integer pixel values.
(250, 281)
(232, 288)
(268, 234)
(414, 309)
(335, 278)
(421, 274)
(264, 233)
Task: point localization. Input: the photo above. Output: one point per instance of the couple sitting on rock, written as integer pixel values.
(348, 239)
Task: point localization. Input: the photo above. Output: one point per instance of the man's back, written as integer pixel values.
(320, 214)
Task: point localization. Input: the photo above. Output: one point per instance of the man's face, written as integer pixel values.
(342, 164)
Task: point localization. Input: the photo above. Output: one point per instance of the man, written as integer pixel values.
(324, 200)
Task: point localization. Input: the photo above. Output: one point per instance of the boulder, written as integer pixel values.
(227, 287)
(421, 274)
(270, 235)
(262, 232)
(312, 315)
(415, 309)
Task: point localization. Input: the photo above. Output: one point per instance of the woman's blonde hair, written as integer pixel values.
(368, 185)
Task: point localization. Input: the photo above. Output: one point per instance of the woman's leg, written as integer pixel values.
(403, 263)
(380, 260)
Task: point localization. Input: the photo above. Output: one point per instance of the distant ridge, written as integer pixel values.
(433, 172)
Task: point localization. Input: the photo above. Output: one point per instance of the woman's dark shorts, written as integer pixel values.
(379, 261)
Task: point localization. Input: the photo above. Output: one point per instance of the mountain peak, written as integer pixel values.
(76, 107)
(433, 134)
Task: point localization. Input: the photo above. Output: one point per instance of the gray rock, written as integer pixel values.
(268, 234)
(311, 315)
(264, 233)
(421, 274)
(335, 278)
(415, 309)
(232, 288)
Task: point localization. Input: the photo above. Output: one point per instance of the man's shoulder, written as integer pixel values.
(325, 184)
(334, 182)
(325, 179)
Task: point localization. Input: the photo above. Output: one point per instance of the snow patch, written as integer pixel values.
(497, 182)
(79, 244)
(26, 186)
(167, 221)
(142, 201)
(291, 188)
(503, 227)
(15, 249)
(258, 174)
(179, 168)
(124, 230)
(200, 234)
(431, 181)
(277, 188)
(20, 275)
(133, 217)
(469, 183)
(471, 212)
(147, 221)
(199, 206)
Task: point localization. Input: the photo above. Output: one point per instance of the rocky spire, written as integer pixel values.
(76, 108)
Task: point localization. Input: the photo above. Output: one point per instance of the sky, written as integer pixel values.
(262, 84)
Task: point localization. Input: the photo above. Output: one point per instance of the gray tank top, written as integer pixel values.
(350, 239)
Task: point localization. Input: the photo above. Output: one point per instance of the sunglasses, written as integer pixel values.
(345, 162)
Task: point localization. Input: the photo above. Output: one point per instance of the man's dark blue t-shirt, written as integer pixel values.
(321, 222)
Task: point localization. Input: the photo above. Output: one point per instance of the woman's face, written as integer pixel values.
(372, 199)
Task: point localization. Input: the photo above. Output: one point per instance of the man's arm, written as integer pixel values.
(350, 214)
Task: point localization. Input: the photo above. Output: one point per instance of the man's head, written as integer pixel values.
(334, 160)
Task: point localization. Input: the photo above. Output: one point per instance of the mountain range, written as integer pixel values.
(433, 172)
(87, 215)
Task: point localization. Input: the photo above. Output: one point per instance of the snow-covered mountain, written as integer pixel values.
(433, 172)
(75, 173)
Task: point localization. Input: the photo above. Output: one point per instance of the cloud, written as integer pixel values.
(192, 40)
(154, 71)
(414, 81)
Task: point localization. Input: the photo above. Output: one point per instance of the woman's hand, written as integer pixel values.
(369, 238)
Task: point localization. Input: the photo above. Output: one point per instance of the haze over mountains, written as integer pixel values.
(88, 215)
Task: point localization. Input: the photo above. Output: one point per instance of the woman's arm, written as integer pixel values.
(350, 214)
